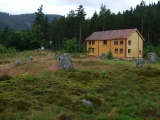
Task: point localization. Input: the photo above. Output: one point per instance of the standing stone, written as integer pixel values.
(103, 56)
(140, 62)
(86, 102)
(30, 58)
(65, 62)
(152, 57)
(19, 63)
(56, 56)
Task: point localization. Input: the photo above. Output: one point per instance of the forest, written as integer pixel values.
(74, 28)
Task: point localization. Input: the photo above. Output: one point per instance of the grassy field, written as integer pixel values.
(118, 90)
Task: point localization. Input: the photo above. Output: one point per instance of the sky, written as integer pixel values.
(62, 7)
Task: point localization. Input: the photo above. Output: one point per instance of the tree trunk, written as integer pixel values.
(148, 34)
(80, 36)
(59, 43)
(142, 27)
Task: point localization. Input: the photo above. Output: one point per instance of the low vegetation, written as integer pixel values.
(118, 90)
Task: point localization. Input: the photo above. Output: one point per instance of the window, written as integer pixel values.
(115, 42)
(121, 42)
(129, 50)
(116, 51)
(121, 51)
(93, 50)
(89, 42)
(129, 42)
(104, 42)
(140, 51)
(92, 42)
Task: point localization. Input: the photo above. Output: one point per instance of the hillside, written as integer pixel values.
(20, 22)
(38, 90)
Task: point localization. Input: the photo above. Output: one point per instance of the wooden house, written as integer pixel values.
(126, 43)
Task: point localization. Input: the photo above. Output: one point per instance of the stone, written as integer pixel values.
(30, 58)
(65, 61)
(19, 63)
(103, 56)
(140, 62)
(86, 102)
(56, 56)
(152, 57)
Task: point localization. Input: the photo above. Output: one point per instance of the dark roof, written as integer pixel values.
(112, 34)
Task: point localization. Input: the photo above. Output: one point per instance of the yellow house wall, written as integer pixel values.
(136, 45)
(119, 46)
(104, 48)
(95, 46)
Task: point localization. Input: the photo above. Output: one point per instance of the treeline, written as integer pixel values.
(75, 26)
(22, 21)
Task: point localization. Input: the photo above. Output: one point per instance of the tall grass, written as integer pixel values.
(117, 89)
(7, 52)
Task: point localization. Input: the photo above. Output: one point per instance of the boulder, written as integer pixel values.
(152, 57)
(19, 63)
(56, 55)
(103, 56)
(86, 102)
(65, 61)
(30, 58)
(140, 62)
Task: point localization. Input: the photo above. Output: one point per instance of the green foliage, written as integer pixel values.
(149, 49)
(41, 27)
(37, 37)
(110, 55)
(101, 117)
(70, 45)
(4, 51)
(66, 116)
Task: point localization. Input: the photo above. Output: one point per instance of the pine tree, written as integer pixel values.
(81, 17)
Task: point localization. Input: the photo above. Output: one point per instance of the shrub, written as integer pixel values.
(110, 55)
(70, 45)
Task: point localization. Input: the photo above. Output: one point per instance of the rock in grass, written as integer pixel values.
(57, 55)
(19, 63)
(65, 61)
(103, 56)
(30, 58)
(86, 102)
(152, 57)
(140, 62)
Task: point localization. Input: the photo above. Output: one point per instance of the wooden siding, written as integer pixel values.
(119, 50)
(118, 46)
(136, 45)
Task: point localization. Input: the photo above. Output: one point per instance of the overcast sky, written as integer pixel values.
(63, 7)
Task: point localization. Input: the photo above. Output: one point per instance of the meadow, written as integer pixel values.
(38, 90)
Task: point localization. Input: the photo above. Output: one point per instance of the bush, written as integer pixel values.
(110, 55)
(70, 45)
(3, 49)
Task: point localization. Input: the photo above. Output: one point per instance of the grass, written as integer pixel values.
(118, 90)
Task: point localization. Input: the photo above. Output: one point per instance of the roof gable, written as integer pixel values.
(112, 34)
